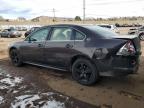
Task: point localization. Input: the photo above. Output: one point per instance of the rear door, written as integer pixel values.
(60, 47)
(33, 47)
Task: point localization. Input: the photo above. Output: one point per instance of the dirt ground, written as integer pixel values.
(34, 87)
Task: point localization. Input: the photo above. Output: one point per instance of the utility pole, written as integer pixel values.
(84, 11)
(53, 15)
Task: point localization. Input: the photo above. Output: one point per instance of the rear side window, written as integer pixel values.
(61, 34)
(79, 36)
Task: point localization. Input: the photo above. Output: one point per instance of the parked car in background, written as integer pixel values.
(10, 33)
(110, 27)
(140, 33)
(87, 51)
(137, 31)
(132, 31)
(31, 30)
(21, 28)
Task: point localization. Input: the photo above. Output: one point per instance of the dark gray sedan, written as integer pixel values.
(86, 51)
(10, 33)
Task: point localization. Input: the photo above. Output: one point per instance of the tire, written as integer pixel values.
(9, 36)
(141, 37)
(15, 58)
(84, 72)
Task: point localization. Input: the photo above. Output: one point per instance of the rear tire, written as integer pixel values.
(84, 72)
(15, 58)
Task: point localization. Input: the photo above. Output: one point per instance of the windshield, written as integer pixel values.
(102, 31)
(13, 30)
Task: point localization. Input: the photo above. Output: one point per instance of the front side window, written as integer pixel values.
(61, 34)
(39, 35)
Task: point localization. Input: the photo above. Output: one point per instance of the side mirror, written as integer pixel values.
(29, 39)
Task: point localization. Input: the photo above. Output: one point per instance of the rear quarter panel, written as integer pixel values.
(99, 47)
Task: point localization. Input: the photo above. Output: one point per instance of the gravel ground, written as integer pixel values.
(31, 86)
(26, 88)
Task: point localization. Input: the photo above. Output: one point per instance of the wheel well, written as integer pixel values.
(77, 57)
(11, 49)
(81, 56)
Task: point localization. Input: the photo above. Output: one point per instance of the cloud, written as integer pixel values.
(14, 11)
(71, 8)
(9, 10)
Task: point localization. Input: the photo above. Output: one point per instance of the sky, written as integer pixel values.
(70, 8)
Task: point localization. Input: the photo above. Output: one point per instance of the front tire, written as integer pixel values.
(9, 36)
(84, 72)
(15, 58)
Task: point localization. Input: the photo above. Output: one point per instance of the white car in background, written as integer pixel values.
(110, 27)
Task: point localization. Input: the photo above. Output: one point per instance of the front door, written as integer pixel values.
(33, 47)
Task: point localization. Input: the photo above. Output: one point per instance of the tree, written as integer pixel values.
(77, 18)
(117, 24)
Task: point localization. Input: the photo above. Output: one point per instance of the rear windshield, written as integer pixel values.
(102, 31)
(105, 26)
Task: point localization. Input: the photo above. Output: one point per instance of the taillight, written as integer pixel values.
(127, 49)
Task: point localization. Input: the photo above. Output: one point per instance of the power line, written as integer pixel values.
(114, 2)
(84, 10)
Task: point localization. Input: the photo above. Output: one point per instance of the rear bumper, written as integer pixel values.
(118, 66)
(119, 71)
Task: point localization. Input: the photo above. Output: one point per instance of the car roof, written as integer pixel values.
(76, 26)
(59, 25)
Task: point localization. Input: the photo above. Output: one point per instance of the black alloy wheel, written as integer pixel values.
(84, 72)
(15, 57)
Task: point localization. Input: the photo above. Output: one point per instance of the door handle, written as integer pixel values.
(40, 45)
(69, 46)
